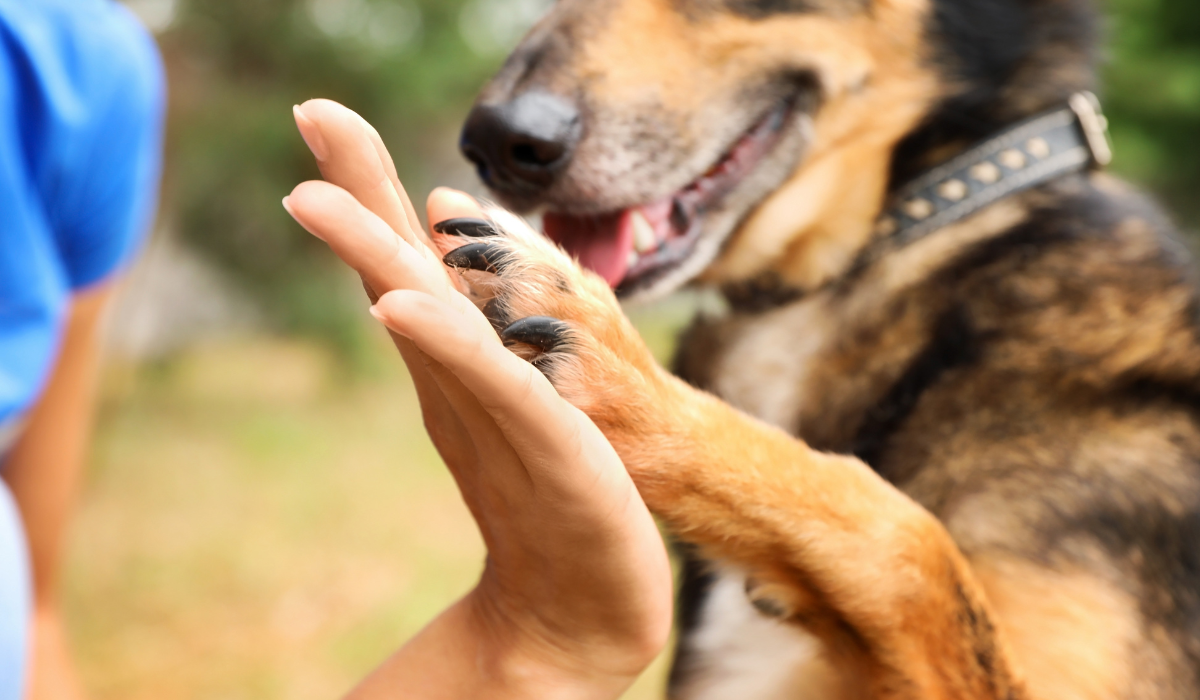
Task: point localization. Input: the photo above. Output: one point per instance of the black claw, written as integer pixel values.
(539, 331)
(475, 256)
(471, 228)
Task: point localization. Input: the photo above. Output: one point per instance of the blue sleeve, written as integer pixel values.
(106, 189)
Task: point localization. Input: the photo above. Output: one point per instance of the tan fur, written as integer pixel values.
(918, 583)
(1075, 635)
(862, 554)
(877, 89)
(740, 653)
(876, 85)
(795, 345)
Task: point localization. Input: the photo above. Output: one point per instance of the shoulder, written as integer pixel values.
(89, 88)
(75, 54)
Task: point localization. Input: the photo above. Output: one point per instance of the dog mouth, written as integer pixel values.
(633, 247)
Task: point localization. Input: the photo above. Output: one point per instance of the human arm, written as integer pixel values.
(43, 472)
(575, 599)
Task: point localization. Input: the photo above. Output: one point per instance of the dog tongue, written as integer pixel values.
(600, 243)
(605, 243)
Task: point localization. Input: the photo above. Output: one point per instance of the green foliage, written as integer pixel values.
(237, 67)
(1152, 94)
(236, 70)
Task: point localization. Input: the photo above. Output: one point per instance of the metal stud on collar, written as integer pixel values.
(1023, 156)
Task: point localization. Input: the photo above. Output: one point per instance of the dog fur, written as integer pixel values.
(970, 469)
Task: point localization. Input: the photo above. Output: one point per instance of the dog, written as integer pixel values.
(943, 440)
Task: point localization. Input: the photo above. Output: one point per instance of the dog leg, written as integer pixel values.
(828, 544)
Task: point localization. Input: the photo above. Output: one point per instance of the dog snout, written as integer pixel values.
(521, 146)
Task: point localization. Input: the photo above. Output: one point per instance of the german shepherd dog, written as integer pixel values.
(957, 463)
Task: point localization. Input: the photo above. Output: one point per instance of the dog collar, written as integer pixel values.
(1026, 154)
(1023, 156)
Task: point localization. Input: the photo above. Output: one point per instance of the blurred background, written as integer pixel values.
(264, 516)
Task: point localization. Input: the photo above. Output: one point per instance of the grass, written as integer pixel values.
(257, 526)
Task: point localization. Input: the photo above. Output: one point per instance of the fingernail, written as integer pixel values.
(377, 313)
(310, 132)
(287, 205)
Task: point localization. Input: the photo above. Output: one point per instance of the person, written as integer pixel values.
(575, 600)
(81, 107)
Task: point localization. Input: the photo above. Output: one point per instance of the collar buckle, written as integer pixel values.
(1094, 125)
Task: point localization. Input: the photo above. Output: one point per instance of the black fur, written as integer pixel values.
(1162, 548)
(696, 580)
(954, 343)
(991, 399)
(1012, 58)
(1039, 392)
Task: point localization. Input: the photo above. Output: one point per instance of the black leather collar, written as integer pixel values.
(1023, 156)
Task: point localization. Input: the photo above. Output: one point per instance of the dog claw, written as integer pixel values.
(471, 228)
(542, 332)
(475, 256)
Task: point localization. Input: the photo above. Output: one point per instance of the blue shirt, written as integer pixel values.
(81, 103)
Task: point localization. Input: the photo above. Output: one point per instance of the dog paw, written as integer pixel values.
(560, 317)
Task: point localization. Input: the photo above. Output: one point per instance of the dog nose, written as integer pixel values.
(520, 146)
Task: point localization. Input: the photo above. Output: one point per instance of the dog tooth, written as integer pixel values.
(644, 240)
(633, 260)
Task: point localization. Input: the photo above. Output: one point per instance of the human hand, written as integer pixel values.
(575, 598)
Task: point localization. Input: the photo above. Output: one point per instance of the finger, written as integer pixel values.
(352, 155)
(370, 247)
(385, 261)
(389, 166)
(445, 204)
(348, 151)
(521, 400)
(364, 241)
(339, 139)
(454, 214)
(478, 454)
(451, 436)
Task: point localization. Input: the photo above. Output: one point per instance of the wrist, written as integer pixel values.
(522, 660)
